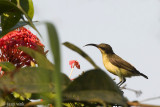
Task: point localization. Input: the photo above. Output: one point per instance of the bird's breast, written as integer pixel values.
(109, 66)
(114, 69)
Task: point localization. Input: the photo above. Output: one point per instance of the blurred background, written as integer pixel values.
(131, 27)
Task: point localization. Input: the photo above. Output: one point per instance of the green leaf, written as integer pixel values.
(27, 95)
(54, 43)
(31, 80)
(28, 80)
(19, 24)
(14, 1)
(16, 95)
(7, 6)
(48, 96)
(35, 96)
(22, 98)
(7, 66)
(28, 7)
(10, 19)
(97, 87)
(79, 51)
(26, 15)
(10, 14)
(41, 59)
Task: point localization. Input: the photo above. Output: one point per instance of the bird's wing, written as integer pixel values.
(119, 62)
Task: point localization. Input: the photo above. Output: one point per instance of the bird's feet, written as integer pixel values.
(121, 82)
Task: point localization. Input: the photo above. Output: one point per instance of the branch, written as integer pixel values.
(148, 99)
(141, 105)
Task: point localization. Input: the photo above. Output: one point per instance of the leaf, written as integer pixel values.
(55, 48)
(7, 6)
(48, 96)
(79, 51)
(27, 95)
(19, 24)
(31, 80)
(16, 95)
(10, 14)
(97, 87)
(35, 96)
(7, 66)
(28, 7)
(28, 80)
(22, 96)
(41, 59)
(28, 17)
(10, 19)
(14, 1)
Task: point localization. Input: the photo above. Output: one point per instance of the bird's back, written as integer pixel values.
(117, 63)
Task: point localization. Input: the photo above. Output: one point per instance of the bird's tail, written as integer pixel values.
(143, 75)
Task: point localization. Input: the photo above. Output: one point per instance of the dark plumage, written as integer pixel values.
(119, 62)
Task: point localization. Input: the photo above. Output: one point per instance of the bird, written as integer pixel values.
(115, 64)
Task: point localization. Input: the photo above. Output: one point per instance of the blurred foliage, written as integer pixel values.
(55, 49)
(41, 59)
(79, 51)
(97, 87)
(44, 80)
(7, 66)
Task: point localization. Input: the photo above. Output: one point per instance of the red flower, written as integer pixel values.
(20, 37)
(73, 63)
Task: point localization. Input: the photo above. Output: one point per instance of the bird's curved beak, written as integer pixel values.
(95, 45)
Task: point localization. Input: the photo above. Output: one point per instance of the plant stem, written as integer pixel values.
(71, 73)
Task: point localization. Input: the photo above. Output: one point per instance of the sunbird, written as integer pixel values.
(115, 64)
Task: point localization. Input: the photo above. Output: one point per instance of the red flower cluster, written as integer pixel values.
(9, 47)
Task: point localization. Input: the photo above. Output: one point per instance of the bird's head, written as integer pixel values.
(104, 48)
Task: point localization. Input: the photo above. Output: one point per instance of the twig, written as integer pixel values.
(137, 92)
(148, 99)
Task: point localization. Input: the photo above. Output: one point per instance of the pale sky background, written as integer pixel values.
(131, 27)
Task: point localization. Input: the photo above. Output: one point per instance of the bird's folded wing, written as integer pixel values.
(119, 62)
